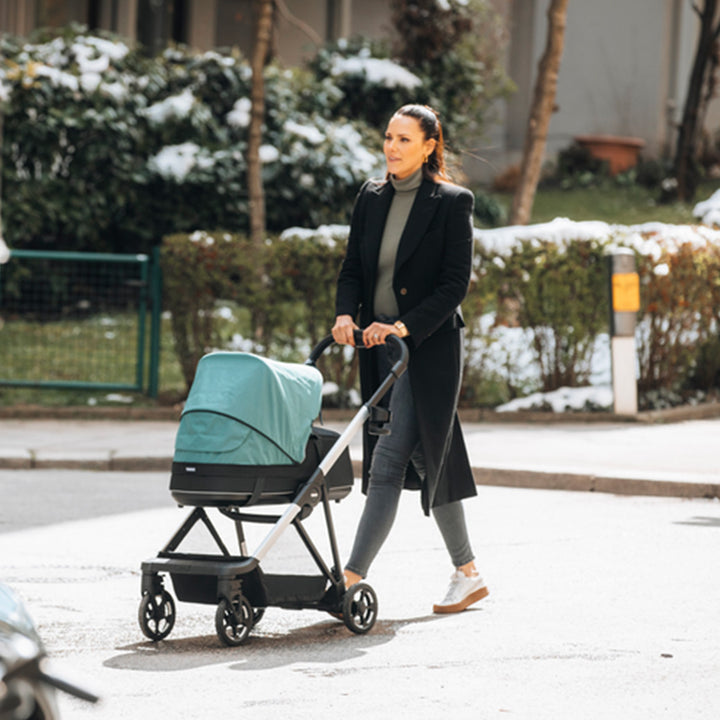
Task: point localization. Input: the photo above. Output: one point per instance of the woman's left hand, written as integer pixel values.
(377, 332)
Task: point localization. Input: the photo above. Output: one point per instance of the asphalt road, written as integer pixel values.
(32, 498)
(600, 606)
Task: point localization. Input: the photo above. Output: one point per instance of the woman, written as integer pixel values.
(405, 272)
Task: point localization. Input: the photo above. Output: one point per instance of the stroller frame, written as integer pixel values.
(237, 583)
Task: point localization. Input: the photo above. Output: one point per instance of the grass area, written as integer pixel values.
(611, 203)
(99, 349)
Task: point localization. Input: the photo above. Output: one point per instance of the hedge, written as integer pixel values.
(105, 149)
(554, 290)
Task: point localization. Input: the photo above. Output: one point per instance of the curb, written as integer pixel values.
(537, 480)
(492, 477)
(110, 464)
(703, 411)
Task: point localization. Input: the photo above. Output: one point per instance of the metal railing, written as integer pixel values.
(79, 320)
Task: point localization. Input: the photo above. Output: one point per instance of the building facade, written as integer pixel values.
(624, 71)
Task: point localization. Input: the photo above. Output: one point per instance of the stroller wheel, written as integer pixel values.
(257, 615)
(359, 608)
(156, 615)
(234, 621)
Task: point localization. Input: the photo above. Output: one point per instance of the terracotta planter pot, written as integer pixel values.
(620, 152)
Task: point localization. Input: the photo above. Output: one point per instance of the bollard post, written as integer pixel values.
(624, 284)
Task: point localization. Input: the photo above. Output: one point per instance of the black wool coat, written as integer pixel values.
(432, 274)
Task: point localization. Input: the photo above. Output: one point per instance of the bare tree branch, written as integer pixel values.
(543, 105)
(294, 20)
(691, 126)
(257, 115)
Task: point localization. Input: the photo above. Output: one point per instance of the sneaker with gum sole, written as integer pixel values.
(462, 592)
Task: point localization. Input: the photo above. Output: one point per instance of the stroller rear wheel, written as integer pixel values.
(234, 620)
(359, 608)
(156, 615)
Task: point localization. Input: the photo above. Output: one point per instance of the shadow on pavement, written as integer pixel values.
(327, 642)
(701, 521)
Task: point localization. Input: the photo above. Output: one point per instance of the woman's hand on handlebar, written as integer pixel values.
(377, 333)
(374, 334)
(343, 329)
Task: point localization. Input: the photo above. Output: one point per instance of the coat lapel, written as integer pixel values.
(379, 202)
(423, 209)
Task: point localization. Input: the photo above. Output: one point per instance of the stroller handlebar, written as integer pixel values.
(396, 343)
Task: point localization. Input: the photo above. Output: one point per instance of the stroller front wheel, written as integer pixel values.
(360, 608)
(156, 614)
(234, 620)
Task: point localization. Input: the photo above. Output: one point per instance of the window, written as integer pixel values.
(161, 22)
(57, 13)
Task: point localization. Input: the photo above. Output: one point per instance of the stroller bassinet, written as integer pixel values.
(246, 438)
(246, 435)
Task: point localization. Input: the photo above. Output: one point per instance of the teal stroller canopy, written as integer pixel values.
(247, 410)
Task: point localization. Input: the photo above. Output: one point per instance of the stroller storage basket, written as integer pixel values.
(216, 485)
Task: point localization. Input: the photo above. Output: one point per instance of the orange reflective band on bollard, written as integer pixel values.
(625, 292)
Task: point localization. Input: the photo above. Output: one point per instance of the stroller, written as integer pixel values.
(246, 438)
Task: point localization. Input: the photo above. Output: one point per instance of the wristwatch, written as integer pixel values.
(400, 327)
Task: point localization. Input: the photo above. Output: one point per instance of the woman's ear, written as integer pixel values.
(430, 145)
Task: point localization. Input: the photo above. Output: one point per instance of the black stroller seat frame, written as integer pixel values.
(237, 583)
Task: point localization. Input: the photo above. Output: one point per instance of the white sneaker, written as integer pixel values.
(462, 592)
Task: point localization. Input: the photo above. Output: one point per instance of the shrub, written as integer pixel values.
(558, 293)
(198, 270)
(557, 290)
(371, 84)
(70, 176)
(679, 315)
(488, 210)
(126, 150)
(554, 291)
(576, 167)
(296, 292)
(456, 47)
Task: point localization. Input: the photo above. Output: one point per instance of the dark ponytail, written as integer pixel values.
(434, 169)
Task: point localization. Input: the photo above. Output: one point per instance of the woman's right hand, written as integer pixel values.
(343, 329)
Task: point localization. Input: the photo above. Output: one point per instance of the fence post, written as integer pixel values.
(624, 286)
(155, 323)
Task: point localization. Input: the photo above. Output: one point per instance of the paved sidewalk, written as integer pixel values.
(675, 459)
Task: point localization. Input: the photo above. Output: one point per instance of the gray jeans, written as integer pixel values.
(390, 460)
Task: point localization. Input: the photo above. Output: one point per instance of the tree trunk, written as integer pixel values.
(542, 108)
(256, 194)
(685, 165)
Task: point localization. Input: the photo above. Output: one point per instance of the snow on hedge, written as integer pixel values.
(377, 71)
(239, 116)
(329, 235)
(174, 107)
(4, 251)
(709, 210)
(649, 239)
(174, 162)
(82, 64)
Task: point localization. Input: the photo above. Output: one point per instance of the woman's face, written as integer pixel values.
(405, 146)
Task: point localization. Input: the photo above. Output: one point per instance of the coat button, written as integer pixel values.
(403, 291)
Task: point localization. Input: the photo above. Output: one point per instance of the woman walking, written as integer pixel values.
(406, 271)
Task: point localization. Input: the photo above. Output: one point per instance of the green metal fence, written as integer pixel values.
(80, 320)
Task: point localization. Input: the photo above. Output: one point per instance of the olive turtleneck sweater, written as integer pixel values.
(405, 191)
